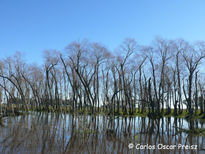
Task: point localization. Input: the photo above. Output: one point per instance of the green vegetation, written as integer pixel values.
(15, 111)
(196, 131)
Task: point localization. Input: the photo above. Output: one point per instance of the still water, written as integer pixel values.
(40, 132)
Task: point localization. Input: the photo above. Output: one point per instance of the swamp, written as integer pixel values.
(43, 132)
(102, 77)
(141, 99)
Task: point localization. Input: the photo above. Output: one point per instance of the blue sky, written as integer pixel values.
(32, 26)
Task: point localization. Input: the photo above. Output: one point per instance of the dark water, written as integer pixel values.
(65, 133)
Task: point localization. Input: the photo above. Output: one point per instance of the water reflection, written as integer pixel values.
(64, 133)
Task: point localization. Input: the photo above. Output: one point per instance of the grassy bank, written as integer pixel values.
(15, 111)
(5, 112)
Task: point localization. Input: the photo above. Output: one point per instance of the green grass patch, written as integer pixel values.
(196, 131)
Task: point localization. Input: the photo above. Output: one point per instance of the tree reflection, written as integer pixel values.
(64, 133)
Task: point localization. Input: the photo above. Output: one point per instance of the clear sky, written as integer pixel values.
(31, 26)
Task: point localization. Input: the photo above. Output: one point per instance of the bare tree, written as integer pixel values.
(193, 55)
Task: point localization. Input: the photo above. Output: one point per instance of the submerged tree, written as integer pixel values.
(89, 77)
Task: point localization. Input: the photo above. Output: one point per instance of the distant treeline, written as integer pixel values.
(166, 74)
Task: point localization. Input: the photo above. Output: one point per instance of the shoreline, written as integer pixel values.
(14, 111)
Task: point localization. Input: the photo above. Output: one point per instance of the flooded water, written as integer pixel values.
(40, 132)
